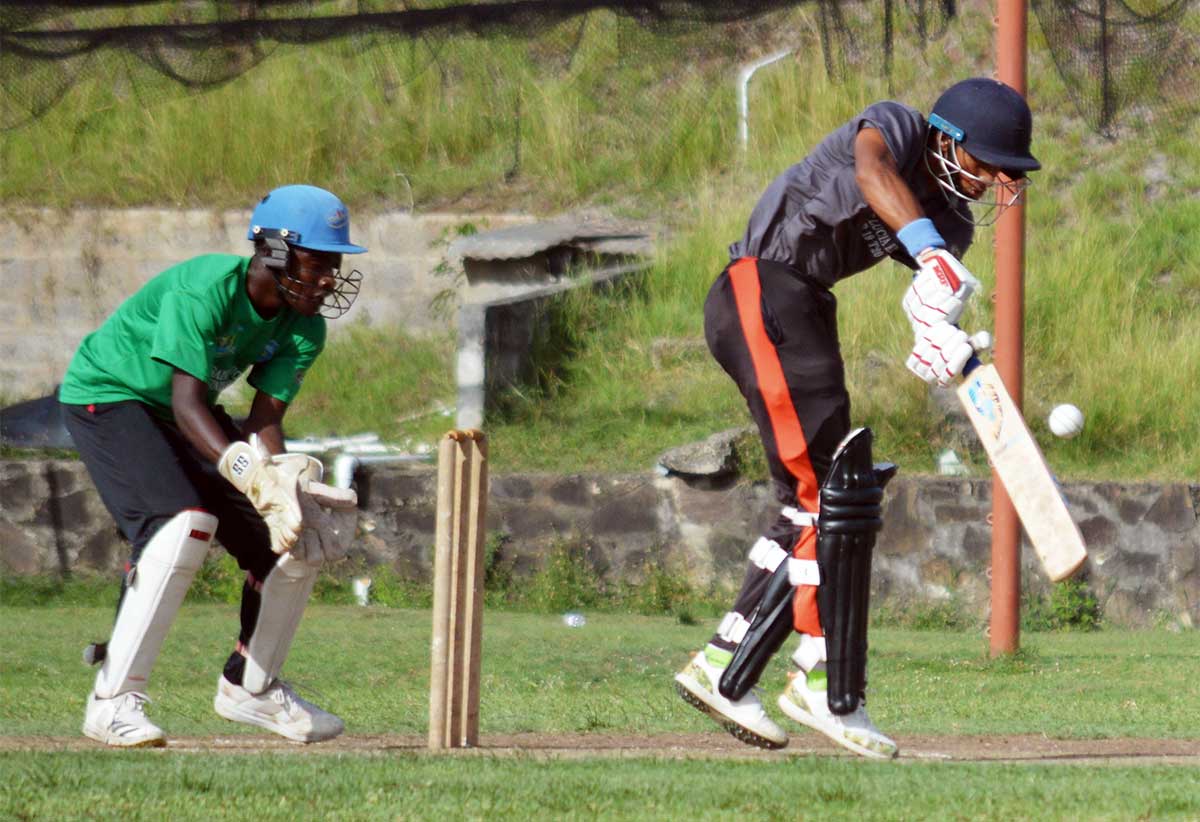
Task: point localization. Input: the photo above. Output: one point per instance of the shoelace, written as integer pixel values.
(284, 695)
(135, 702)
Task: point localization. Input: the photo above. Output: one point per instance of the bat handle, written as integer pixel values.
(980, 341)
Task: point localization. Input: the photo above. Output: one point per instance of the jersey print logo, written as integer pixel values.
(879, 240)
(225, 344)
(268, 351)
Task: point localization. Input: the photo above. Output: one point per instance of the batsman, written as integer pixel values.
(176, 472)
(889, 183)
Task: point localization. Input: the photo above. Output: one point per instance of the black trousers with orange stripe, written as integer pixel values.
(775, 333)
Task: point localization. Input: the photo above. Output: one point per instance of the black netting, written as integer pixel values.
(1117, 57)
(150, 50)
(1134, 62)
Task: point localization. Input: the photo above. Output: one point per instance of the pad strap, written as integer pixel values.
(798, 517)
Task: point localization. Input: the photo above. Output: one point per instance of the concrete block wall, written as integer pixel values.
(71, 269)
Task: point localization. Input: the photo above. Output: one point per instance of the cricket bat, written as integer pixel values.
(1019, 463)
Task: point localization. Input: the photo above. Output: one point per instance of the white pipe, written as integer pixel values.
(747, 71)
(313, 445)
(345, 464)
(343, 470)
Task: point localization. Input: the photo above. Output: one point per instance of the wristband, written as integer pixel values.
(920, 235)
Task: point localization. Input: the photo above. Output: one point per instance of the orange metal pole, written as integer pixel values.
(1011, 48)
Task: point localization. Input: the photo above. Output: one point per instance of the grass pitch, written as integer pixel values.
(606, 681)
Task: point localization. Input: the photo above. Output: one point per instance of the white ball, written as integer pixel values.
(1065, 420)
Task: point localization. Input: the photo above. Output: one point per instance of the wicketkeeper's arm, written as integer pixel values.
(266, 420)
(189, 404)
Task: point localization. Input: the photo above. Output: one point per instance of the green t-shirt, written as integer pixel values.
(195, 317)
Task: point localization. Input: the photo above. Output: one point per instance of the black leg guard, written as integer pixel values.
(769, 629)
(850, 517)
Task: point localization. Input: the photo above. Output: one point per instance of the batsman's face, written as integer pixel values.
(310, 278)
(976, 178)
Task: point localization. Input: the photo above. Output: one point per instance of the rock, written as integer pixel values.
(716, 456)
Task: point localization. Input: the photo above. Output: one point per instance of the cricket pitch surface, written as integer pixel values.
(1015, 748)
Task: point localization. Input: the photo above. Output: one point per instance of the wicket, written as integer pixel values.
(458, 591)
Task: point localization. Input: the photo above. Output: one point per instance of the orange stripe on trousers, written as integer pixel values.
(790, 442)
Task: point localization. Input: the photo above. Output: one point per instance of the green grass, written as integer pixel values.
(403, 786)
(609, 116)
(370, 665)
(610, 676)
(1111, 312)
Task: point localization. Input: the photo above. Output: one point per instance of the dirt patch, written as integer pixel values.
(1007, 748)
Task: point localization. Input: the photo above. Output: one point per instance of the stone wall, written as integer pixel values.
(1144, 539)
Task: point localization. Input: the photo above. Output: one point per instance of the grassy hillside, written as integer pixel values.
(1113, 276)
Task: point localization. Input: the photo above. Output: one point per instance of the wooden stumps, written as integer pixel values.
(458, 571)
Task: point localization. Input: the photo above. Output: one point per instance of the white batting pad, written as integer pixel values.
(160, 581)
(284, 595)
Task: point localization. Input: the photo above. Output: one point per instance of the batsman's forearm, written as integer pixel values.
(890, 198)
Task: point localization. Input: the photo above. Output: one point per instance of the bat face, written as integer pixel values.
(1019, 464)
(985, 399)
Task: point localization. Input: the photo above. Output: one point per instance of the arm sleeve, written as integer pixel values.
(182, 336)
(903, 130)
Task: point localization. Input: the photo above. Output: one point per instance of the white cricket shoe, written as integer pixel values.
(278, 709)
(807, 703)
(745, 718)
(121, 721)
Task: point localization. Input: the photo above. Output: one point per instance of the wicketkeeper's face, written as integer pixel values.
(310, 278)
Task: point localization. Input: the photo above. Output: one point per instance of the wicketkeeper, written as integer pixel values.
(890, 183)
(176, 472)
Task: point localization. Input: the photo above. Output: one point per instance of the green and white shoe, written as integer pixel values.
(745, 718)
(805, 700)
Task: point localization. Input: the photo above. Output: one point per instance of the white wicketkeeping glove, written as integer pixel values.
(938, 291)
(271, 487)
(940, 353)
(329, 514)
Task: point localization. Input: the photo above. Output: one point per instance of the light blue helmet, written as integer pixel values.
(310, 218)
(304, 216)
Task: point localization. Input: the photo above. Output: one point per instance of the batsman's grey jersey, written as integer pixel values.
(814, 219)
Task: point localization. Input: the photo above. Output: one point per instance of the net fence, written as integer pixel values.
(1121, 60)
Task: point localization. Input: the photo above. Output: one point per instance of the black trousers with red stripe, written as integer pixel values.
(775, 333)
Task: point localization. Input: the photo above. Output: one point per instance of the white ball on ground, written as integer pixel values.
(1065, 421)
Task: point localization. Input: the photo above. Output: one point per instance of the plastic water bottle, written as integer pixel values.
(574, 619)
(362, 590)
(949, 465)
